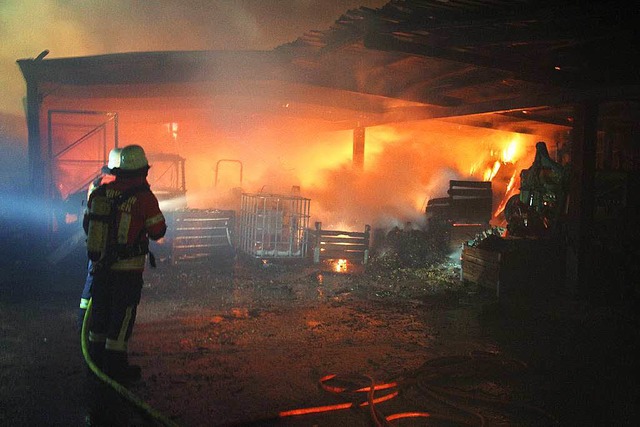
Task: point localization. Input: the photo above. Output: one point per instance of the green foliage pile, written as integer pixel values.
(411, 263)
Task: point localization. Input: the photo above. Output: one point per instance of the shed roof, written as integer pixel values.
(414, 59)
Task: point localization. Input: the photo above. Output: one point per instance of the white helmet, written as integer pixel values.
(133, 158)
(114, 160)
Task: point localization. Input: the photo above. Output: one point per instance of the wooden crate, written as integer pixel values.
(482, 266)
(516, 267)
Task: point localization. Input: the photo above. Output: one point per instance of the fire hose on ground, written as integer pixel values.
(150, 412)
(427, 380)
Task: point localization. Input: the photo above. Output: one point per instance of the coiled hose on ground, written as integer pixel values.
(432, 387)
(430, 380)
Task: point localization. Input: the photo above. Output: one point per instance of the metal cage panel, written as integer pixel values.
(200, 235)
(273, 226)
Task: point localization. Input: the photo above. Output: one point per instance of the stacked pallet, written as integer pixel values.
(481, 266)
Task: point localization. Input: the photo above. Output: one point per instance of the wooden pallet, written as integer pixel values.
(333, 244)
(482, 267)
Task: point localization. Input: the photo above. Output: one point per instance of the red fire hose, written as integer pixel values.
(428, 380)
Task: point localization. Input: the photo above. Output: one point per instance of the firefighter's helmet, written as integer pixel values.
(133, 158)
(114, 160)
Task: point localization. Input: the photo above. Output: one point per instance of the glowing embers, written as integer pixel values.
(340, 266)
(337, 265)
(340, 251)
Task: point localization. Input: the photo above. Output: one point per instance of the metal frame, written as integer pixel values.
(227, 161)
(100, 128)
(273, 226)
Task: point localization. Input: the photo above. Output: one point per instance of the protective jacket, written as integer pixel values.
(101, 180)
(136, 218)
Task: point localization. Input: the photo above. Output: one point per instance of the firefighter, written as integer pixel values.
(105, 177)
(120, 219)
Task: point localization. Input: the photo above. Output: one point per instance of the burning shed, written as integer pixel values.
(370, 118)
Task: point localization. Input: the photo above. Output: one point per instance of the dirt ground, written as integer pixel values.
(241, 345)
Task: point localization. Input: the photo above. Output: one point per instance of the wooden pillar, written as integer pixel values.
(36, 162)
(367, 238)
(358, 148)
(316, 247)
(582, 198)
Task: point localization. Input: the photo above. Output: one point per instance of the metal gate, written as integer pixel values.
(200, 235)
(78, 146)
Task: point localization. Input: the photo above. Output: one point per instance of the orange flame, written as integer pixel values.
(511, 190)
(404, 165)
(340, 266)
(491, 172)
(509, 153)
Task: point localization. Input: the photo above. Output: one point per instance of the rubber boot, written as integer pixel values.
(117, 367)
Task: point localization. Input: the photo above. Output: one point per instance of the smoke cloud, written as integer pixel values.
(91, 27)
(70, 28)
(405, 164)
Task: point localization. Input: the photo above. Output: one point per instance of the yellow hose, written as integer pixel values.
(124, 392)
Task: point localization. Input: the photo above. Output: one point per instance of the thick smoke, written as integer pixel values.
(405, 164)
(13, 153)
(15, 205)
(70, 28)
(74, 28)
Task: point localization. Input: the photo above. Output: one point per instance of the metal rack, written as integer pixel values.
(273, 226)
(200, 235)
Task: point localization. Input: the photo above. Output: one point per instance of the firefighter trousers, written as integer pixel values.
(115, 298)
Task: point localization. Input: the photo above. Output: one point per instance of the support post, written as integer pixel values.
(582, 197)
(358, 148)
(367, 237)
(34, 147)
(316, 247)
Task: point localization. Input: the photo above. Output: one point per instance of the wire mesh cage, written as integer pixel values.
(273, 226)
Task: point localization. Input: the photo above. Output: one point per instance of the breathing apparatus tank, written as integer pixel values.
(99, 222)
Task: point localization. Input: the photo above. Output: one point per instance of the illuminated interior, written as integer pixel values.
(273, 140)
